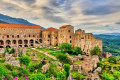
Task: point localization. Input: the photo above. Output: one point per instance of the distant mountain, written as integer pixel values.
(11, 20)
(112, 34)
(2, 21)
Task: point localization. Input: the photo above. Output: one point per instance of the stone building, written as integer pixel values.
(15, 35)
(18, 35)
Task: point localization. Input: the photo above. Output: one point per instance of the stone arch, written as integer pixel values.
(1, 42)
(8, 42)
(1, 47)
(20, 46)
(40, 40)
(8, 46)
(14, 42)
(25, 41)
(25, 45)
(31, 41)
(19, 41)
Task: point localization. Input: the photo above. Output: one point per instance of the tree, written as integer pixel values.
(67, 69)
(24, 60)
(77, 50)
(95, 51)
(63, 58)
(66, 47)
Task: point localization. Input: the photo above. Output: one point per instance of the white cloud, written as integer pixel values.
(88, 14)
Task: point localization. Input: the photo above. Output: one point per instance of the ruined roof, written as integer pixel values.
(19, 26)
(64, 26)
(51, 29)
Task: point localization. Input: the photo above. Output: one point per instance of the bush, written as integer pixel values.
(24, 60)
(22, 71)
(106, 76)
(2, 72)
(9, 67)
(52, 70)
(38, 76)
(77, 76)
(63, 58)
(61, 76)
(11, 51)
(95, 51)
(77, 50)
(67, 69)
(100, 58)
(112, 60)
(15, 73)
(66, 47)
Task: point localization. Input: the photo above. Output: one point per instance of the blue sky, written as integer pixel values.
(95, 16)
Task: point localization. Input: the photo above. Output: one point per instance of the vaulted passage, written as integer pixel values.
(20, 42)
(25, 45)
(1, 42)
(1, 46)
(31, 41)
(25, 41)
(14, 42)
(8, 42)
(20, 46)
(8, 46)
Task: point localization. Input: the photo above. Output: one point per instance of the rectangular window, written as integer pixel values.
(12, 36)
(7, 36)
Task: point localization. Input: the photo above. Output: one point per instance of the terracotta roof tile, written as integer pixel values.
(51, 29)
(64, 26)
(19, 25)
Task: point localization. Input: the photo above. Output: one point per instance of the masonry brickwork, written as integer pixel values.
(18, 35)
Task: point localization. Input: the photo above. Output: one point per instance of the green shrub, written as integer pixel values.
(15, 73)
(67, 69)
(61, 76)
(22, 71)
(100, 58)
(66, 47)
(112, 60)
(77, 76)
(9, 67)
(107, 76)
(52, 70)
(11, 51)
(2, 72)
(77, 50)
(95, 51)
(63, 58)
(38, 76)
(25, 60)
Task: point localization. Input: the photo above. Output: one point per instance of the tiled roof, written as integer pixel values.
(19, 25)
(51, 29)
(64, 26)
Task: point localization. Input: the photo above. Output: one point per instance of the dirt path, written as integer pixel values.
(46, 53)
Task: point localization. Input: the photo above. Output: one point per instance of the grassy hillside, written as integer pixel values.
(111, 43)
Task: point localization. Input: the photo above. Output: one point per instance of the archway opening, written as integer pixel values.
(25, 41)
(14, 41)
(20, 46)
(20, 42)
(8, 46)
(25, 45)
(8, 42)
(1, 42)
(31, 41)
(1, 47)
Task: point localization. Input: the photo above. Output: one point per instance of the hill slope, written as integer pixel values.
(111, 43)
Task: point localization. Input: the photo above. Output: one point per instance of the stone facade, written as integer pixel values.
(15, 35)
(65, 34)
